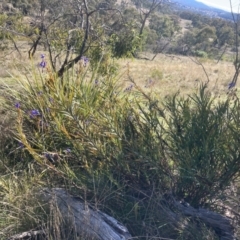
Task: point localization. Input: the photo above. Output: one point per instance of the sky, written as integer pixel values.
(223, 4)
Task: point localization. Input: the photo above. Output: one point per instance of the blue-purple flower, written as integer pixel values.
(17, 105)
(128, 89)
(34, 113)
(231, 85)
(96, 82)
(43, 64)
(20, 144)
(51, 157)
(85, 60)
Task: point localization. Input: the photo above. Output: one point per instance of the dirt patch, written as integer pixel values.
(185, 25)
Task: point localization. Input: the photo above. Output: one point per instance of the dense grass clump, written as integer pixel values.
(120, 149)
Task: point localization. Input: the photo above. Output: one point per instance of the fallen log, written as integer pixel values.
(97, 225)
(87, 222)
(220, 224)
(94, 224)
(29, 235)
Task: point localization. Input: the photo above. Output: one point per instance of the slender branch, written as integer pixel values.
(67, 65)
(222, 53)
(205, 71)
(237, 62)
(144, 18)
(161, 50)
(53, 63)
(15, 46)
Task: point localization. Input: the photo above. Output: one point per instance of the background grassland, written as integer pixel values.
(171, 74)
(167, 74)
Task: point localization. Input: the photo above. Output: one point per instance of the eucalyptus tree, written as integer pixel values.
(67, 29)
(71, 29)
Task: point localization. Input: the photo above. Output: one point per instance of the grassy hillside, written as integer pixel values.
(168, 74)
(114, 146)
(130, 133)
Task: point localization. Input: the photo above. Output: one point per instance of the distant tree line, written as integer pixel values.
(208, 34)
(92, 27)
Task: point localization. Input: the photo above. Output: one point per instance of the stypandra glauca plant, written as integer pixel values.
(85, 131)
(90, 117)
(122, 149)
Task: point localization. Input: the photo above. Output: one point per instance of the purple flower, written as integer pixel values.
(48, 156)
(51, 157)
(67, 151)
(128, 89)
(231, 85)
(42, 64)
(17, 105)
(21, 145)
(34, 113)
(96, 82)
(85, 60)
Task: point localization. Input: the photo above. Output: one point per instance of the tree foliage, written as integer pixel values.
(68, 30)
(164, 26)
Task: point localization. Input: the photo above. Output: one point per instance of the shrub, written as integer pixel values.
(202, 142)
(201, 54)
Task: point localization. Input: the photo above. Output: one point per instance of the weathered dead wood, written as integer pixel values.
(94, 224)
(33, 235)
(91, 223)
(86, 222)
(219, 223)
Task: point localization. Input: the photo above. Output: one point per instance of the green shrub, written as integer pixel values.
(202, 137)
(201, 54)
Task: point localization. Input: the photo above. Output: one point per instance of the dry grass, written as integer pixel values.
(171, 74)
(167, 74)
(184, 25)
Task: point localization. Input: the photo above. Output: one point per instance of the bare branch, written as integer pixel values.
(199, 63)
